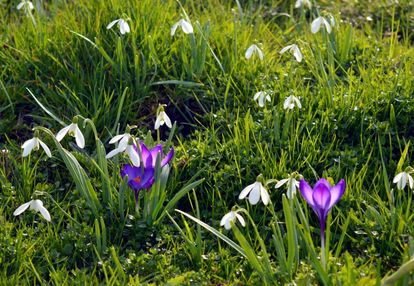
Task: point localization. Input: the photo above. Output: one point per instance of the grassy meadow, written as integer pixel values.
(340, 108)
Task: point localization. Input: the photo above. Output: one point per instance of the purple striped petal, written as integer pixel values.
(154, 153)
(323, 182)
(321, 196)
(337, 192)
(167, 158)
(306, 192)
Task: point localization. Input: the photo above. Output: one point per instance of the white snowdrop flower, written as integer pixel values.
(300, 3)
(253, 49)
(255, 192)
(185, 26)
(33, 144)
(128, 149)
(74, 131)
(35, 205)
(401, 180)
(162, 118)
(295, 51)
(26, 4)
(229, 217)
(122, 24)
(261, 96)
(292, 185)
(290, 102)
(316, 25)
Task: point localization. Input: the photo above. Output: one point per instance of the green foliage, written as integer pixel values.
(355, 86)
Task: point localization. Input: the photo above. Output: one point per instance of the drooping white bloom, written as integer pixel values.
(291, 101)
(292, 185)
(229, 217)
(185, 26)
(401, 180)
(261, 96)
(74, 131)
(35, 205)
(162, 119)
(254, 49)
(300, 3)
(295, 51)
(129, 149)
(255, 191)
(123, 140)
(33, 144)
(122, 24)
(316, 25)
(26, 4)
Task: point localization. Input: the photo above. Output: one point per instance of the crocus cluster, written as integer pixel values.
(142, 177)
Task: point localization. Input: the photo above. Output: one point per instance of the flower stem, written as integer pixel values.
(323, 257)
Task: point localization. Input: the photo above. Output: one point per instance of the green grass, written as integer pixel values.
(355, 86)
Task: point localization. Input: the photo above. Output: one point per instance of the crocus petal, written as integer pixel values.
(306, 192)
(268, 98)
(21, 208)
(255, 194)
(246, 191)
(147, 156)
(297, 54)
(174, 28)
(316, 24)
(241, 219)
(20, 5)
(30, 4)
(62, 133)
(337, 192)
(186, 26)
(322, 182)
(80, 140)
(257, 95)
(321, 197)
(155, 152)
(44, 212)
(298, 3)
(116, 138)
(44, 146)
(110, 25)
(28, 146)
(167, 158)
(264, 195)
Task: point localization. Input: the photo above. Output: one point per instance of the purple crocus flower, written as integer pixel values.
(153, 153)
(322, 198)
(142, 177)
